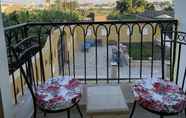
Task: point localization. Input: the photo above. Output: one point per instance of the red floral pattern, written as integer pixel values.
(58, 93)
(159, 95)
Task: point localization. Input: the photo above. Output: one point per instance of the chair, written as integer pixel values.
(160, 96)
(57, 94)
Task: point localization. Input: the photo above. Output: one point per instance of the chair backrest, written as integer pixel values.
(23, 52)
(175, 42)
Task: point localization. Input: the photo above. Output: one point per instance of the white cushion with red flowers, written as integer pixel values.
(159, 95)
(58, 93)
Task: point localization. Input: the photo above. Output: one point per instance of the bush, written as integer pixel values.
(40, 16)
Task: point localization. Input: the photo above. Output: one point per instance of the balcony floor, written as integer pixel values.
(125, 86)
(139, 113)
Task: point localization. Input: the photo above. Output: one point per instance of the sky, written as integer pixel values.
(42, 1)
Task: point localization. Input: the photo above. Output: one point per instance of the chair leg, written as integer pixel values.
(44, 114)
(133, 108)
(80, 113)
(34, 116)
(35, 111)
(68, 113)
(161, 116)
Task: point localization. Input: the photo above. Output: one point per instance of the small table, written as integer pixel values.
(107, 101)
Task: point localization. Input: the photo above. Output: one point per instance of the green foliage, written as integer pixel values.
(149, 6)
(168, 6)
(122, 5)
(133, 6)
(146, 51)
(40, 16)
(124, 9)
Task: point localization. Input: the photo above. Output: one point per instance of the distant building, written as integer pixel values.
(86, 6)
(47, 3)
(105, 5)
(100, 18)
(9, 8)
(158, 4)
(159, 1)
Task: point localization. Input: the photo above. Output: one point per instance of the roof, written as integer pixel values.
(100, 18)
(154, 14)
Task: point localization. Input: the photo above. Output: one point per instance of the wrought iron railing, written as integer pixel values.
(96, 52)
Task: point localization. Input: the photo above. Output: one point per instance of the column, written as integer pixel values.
(6, 98)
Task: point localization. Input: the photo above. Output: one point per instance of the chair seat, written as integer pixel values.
(159, 95)
(58, 93)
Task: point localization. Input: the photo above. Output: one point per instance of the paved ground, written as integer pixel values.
(102, 65)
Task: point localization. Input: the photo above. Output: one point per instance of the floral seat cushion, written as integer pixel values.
(159, 95)
(58, 93)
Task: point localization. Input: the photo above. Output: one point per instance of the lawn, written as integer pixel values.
(146, 51)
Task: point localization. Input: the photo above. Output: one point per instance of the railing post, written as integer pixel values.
(5, 89)
(114, 74)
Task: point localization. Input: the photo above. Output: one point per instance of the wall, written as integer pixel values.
(181, 16)
(1, 107)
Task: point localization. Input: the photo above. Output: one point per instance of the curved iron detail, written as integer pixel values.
(111, 51)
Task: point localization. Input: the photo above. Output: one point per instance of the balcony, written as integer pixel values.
(114, 53)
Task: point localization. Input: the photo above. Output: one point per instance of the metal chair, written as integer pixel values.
(57, 94)
(158, 95)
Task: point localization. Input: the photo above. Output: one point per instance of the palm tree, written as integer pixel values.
(47, 2)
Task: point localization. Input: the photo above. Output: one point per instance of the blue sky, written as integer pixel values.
(41, 1)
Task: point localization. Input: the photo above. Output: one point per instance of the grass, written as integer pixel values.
(146, 51)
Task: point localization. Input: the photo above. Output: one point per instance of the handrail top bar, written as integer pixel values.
(103, 22)
(15, 26)
(91, 22)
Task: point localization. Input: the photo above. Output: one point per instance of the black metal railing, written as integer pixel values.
(96, 52)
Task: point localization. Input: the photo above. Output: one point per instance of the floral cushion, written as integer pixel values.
(159, 95)
(58, 93)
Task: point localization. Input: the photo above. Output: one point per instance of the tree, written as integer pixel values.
(149, 6)
(51, 15)
(130, 6)
(167, 6)
(122, 6)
